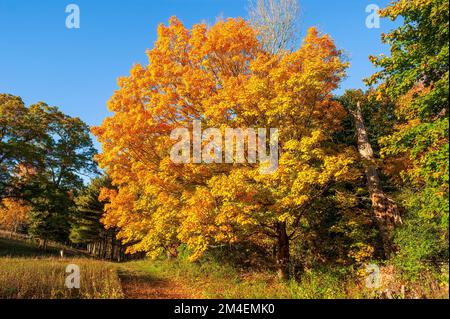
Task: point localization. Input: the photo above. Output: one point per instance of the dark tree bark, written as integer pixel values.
(283, 255)
(105, 246)
(385, 210)
(113, 247)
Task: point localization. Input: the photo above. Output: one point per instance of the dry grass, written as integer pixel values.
(39, 278)
(26, 272)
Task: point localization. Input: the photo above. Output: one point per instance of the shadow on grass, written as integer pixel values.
(138, 284)
(19, 248)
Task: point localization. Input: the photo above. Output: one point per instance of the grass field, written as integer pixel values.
(28, 248)
(26, 272)
(213, 280)
(44, 278)
(33, 274)
(17, 248)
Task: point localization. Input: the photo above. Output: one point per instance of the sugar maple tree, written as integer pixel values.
(222, 77)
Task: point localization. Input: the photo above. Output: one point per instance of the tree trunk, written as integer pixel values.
(113, 247)
(282, 251)
(385, 210)
(121, 253)
(100, 249)
(105, 247)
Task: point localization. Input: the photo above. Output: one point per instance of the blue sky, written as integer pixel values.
(42, 60)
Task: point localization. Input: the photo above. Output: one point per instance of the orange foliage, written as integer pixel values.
(222, 77)
(13, 213)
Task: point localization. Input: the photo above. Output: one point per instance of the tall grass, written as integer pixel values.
(40, 278)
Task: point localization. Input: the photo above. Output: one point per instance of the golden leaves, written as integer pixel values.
(222, 77)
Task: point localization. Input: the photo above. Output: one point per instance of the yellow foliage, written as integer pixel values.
(221, 76)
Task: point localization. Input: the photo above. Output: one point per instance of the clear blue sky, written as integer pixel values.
(42, 60)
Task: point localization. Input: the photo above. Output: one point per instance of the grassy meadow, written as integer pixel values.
(44, 278)
(27, 272)
(19, 248)
(212, 279)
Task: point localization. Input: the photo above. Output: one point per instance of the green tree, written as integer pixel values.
(21, 133)
(43, 154)
(68, 151)
(67, 154)
(86, 226)
(416, 77)
(50, 214)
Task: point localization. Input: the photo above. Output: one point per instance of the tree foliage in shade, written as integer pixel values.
(50, 214)
(378, 115)
(86, 225)
(368, 120)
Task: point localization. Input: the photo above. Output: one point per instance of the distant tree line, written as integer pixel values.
(44, 155)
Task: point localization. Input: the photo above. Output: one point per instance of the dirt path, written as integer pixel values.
(140, 285)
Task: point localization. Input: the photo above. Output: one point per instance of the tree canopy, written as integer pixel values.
(223, 77)
(43, 156)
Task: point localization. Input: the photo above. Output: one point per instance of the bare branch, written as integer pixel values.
(277, 22)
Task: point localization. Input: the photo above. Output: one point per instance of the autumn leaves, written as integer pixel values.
(222, 78)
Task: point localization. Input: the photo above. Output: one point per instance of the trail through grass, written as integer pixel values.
(213, 280)
(27, 272)
(140, 284)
